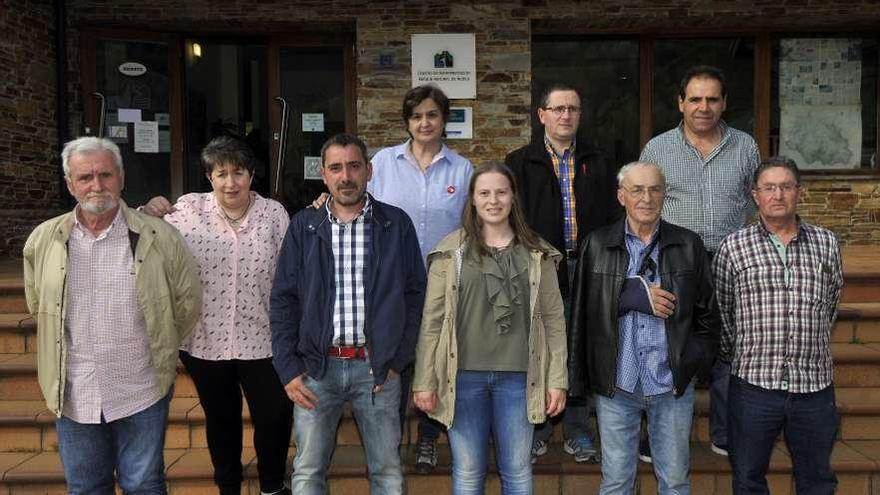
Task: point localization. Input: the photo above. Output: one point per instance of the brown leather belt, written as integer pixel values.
(347, 352)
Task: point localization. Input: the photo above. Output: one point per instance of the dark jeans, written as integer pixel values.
(720, 377)
(756, 416)
(576, 417)
(428, 428)
(220, 385)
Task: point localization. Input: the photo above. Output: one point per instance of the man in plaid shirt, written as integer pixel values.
(778, 282)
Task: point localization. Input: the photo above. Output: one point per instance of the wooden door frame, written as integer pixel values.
(88, 42)
(345, 40)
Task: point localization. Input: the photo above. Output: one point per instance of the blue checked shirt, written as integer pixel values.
(351, 256)
(642, 350)
(711, 196)
(564, 167)
(777, 311)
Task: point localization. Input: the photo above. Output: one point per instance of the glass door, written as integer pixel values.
(130, 95)
(226, 95)
(312, 88)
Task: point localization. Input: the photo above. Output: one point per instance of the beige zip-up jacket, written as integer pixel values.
(168, 288)
(436, 365)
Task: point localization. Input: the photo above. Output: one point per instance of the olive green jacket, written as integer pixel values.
(168, 288)
(436, 362)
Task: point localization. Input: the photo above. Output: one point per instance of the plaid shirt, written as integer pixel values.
(351, 257)
(565, 168)
(711, 195)
(778, 332)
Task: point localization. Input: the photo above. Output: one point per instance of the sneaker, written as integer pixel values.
(539, 448)
(426, 460)
(720, 449)
(645, 450)
(582, 449)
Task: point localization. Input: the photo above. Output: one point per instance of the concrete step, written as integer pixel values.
(189, 472)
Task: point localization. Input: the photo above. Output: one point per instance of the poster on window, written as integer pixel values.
(820, 105)
(447, 61)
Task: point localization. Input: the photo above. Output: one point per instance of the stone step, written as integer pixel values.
(856, 323)
(855, 365)
(189, 472)
(27, 426)
(861, 272)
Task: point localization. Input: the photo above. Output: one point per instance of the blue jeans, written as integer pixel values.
(669, 428)
(720, 376)
(132, 447)
(491, 401)
(348, 380)
(757, 416)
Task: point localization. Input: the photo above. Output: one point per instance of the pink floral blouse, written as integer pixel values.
(236, 269)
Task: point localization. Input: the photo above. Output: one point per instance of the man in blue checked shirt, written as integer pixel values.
(345, 312)
(644, 356)
(708, 167)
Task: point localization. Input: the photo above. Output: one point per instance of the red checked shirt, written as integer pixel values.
(564, 167)
(109, 365)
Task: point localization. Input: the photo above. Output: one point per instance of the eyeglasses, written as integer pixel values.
(639, 191)
(786, 188)
(558, 111)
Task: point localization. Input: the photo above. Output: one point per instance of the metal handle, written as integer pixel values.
(282, 145)
(101, 113)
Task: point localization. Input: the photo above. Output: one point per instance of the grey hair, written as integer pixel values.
(89, 144)
(631, 165)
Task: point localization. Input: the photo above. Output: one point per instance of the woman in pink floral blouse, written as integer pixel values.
(235, 235)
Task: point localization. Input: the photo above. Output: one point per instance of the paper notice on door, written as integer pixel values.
(118, 133)
(129, 115)
(146, 137)
(313, 122)
(312, 167)
(164, 141)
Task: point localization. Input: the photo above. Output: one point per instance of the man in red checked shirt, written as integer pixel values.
(566, 191)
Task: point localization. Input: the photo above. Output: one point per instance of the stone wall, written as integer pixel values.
(851, 208)
(29, 177)
(503, 31)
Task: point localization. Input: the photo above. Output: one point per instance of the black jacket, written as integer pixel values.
(692, 331)
(541, 198)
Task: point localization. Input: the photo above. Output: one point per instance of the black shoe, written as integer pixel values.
(645, 450)
(426, 460)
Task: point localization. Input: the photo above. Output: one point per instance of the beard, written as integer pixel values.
(350, 197)
(97, 205)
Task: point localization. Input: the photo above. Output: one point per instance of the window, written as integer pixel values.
(812, 97)
(824, 102)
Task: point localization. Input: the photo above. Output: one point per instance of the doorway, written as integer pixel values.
(282, 95)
